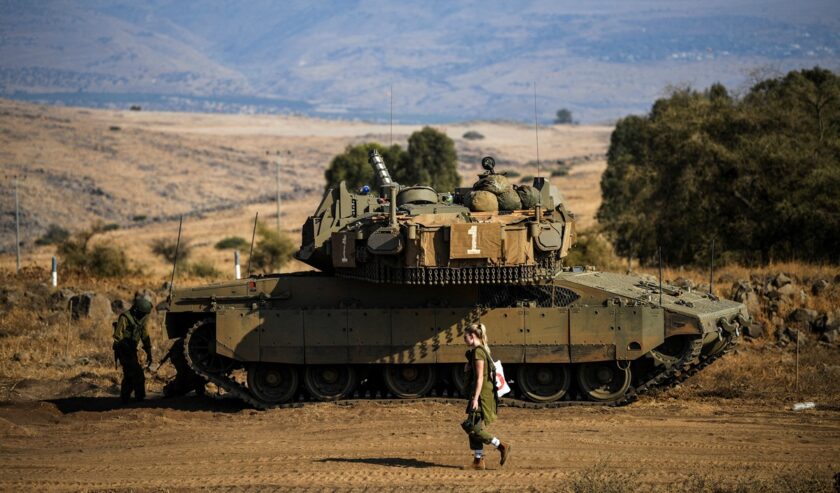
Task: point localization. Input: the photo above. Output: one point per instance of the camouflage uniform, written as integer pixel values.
(129, 330)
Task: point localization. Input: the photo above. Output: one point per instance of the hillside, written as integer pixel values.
(141, 170)
(445, 61)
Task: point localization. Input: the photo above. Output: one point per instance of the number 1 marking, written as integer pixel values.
(473, 232)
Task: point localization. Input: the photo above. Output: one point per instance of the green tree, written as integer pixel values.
(563, 117)
(352, 165)
(758, 174)
(431, 160)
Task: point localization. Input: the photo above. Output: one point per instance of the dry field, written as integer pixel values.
(729, 428)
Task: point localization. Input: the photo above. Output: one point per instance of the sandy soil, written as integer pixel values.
(88, 444)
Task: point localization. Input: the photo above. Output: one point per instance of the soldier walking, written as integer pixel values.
(129, 330)
(481, 407)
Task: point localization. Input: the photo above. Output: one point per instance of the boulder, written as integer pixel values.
(781, 279)
(804, 316)
(777, 322)
(754, 330)
(59, 299)
(830, 336)
(819, 286)
(90, 305)
(794, 335)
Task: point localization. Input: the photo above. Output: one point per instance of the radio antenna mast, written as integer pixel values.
(537, 131)
(391, 141)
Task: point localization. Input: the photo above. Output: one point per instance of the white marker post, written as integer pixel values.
(237, 272)
(54, 274)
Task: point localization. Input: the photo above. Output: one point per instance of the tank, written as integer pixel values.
(402, 271)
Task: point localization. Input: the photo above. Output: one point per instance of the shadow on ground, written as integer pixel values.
(69, 405)
(389, 461)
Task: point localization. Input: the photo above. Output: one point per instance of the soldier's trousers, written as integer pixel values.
(133, 380)
(474, 426)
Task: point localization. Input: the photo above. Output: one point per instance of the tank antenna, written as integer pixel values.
(175, 259)
(253, 235)
(712, 267)
(659, 252)
(391, 138)
(537, 131)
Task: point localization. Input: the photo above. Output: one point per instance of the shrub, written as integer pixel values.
(55, 234)
(527, 179)
(591, 248)
(203, 268)
(165, 247)
(101, 260)
(138, 218)
(473, 135)
(272, 251)
(513, 174)
(232, 243)
(563, 117)
(110, 227)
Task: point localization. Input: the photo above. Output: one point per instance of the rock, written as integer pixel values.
(788, 290)
(796, 335)
(819, 286)
(59, 299)
(782, 337)
(830, 336)
(739, 290)
(119, 305)
(781, 280)
(777, 322)
(754, 330)
(803, 315)
(90, 305)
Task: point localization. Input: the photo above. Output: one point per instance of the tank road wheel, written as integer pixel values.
(329, 382)
(603, 381)
(544, 382)
(409, 381)
(459, 378)
(201, 349)
(272, 383)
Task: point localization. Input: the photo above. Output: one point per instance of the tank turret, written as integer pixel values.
(490, 233)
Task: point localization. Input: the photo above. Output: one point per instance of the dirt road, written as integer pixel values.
(89, 444)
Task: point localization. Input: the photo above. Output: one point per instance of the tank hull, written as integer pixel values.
(313, 320)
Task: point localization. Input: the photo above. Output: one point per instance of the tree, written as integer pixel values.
(431, 160)
(563, 117)
(352, 165)
(758, 175)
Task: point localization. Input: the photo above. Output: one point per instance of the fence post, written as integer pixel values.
(237, 272)
(54, 273)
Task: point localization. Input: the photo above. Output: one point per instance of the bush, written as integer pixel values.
(232, 243)
(203, 268)
(473, 135)
(758, 174)
(55, 234)
(138, 218)
(513, 174)
(560, 172)
(591, 248)
(101, 260)
(563, 117)
(110, 227)
(272, 251)
(165, 247)
(527, 179)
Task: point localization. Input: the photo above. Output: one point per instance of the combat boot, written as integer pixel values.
(478, 464)
(504, 451)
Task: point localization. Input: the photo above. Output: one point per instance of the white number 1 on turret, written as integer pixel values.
(473, 232)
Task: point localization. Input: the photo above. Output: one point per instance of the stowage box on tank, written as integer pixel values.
(405, 270)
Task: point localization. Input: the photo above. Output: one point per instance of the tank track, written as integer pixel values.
(376, 271)
(689, 363)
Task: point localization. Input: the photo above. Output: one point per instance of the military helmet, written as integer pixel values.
(142, 305)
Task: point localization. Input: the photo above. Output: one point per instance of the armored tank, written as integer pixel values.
(402, 271)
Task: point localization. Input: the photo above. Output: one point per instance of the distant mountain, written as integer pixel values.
(445, 60)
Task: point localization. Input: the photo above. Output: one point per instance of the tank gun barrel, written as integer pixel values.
(383, 177)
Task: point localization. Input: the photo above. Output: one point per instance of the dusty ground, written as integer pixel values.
(86, 444)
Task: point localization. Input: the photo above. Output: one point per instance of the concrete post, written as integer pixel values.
(54, 273)
(237, 272)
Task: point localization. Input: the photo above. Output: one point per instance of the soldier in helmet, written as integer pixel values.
(129, 330)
